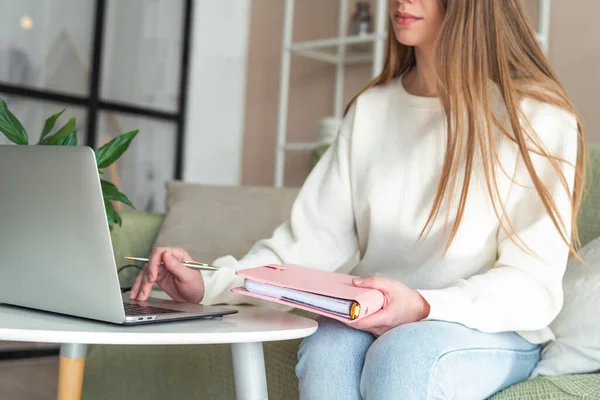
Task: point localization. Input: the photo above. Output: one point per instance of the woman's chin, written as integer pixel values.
(409, 39)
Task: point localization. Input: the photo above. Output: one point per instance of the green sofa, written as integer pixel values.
(205, 372)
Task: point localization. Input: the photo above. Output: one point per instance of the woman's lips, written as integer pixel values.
(406, 19)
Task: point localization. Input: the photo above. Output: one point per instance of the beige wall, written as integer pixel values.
(533, 8)
(574, 53)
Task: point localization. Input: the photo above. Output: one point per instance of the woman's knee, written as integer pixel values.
(401, 352)
(401, 361)
(333, 342)
(434, 359)
(330, 361)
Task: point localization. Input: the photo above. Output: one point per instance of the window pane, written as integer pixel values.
(33, 115)
(141, 63)
(46, 43)
(147, 164)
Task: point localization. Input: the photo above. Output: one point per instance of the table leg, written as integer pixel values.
(249, 371)
(70, 371)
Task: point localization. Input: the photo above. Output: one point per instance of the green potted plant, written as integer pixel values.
(66, 135)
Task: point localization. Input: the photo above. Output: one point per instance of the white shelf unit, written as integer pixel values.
(543, 26)
(314, 50)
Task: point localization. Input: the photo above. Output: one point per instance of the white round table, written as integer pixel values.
(245, 331)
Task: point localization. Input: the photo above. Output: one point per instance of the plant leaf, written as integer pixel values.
(110, 212)
(111, 192)
(69, 140)
(118, 219)
(10, 125)
(49, 125)
(111, 151)
(63, 132)
(112, 215)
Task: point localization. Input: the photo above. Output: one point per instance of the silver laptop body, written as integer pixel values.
(56, 252)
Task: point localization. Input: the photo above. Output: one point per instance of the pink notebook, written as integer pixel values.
(325, 293)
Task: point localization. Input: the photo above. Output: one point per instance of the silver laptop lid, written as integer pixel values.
(55, 246)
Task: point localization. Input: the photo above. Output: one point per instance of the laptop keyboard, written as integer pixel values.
(137, 309)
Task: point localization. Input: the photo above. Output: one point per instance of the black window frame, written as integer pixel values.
(93, 104)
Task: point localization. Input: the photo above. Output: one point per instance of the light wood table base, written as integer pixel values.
(70, 371)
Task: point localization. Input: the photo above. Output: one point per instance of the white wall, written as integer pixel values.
(217, 92)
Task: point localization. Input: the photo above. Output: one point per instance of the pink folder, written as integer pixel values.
(335, 285)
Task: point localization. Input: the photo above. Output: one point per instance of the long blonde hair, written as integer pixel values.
(483, 41)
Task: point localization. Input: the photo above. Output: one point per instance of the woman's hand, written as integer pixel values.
(402, 305)
(165, 268)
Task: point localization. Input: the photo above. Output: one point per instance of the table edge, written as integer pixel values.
(141, 338)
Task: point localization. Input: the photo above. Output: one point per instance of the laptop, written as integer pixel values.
(56, 253)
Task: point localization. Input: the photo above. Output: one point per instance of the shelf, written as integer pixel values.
(302, 146)
(542, 40)
(336, 41)
(348, 59)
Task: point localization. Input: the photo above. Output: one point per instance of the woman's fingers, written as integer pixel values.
(175, 266)
(379, 319)
(163, 262)
(135, 289)
(180, 254)
(145, 288)
(148, 274)
(154, 262)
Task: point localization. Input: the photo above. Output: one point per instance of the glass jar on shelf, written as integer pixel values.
(361, 24)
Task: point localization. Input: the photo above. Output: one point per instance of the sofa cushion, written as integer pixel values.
(213, 221)
(580, 386)
(133, 238)
(577, 327)
(589, 214)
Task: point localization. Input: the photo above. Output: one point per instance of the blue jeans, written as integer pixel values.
(423, 360)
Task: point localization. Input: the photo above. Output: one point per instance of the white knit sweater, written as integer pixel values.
(371, 195)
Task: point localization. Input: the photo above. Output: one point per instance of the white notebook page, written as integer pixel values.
(331, 304)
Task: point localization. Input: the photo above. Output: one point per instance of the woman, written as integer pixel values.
(456, 177)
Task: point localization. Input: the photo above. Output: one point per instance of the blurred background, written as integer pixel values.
(226, 92)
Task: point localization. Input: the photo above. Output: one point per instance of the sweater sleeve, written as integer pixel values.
(522, 292)
(320, 232)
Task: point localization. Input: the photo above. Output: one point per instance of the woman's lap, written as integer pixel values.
(422, 360)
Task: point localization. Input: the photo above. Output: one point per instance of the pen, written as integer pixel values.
(187, 263)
